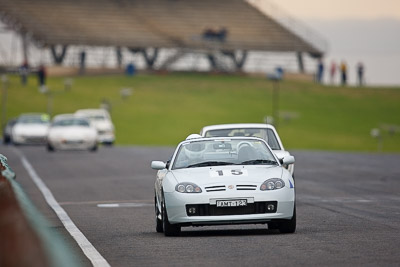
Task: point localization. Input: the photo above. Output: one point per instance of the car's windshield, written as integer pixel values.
(34, 119)
(263, 133)
(220, 152)
(92, 116)
(97, 117)
(70, 122)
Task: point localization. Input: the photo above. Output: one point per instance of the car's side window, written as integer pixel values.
(272, 141)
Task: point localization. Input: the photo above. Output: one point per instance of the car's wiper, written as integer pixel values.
(258, 161)
(210, 163)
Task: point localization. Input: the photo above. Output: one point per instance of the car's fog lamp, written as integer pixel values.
(192, 210)
(270, 207)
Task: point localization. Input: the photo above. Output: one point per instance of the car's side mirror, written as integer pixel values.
(287, 160)
(158, 165)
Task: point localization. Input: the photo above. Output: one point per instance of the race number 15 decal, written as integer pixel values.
(234, 172)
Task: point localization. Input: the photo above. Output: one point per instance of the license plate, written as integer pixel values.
(232, 203)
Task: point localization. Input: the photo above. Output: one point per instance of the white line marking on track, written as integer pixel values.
(88, 249)
(124, 205)
(146, 202)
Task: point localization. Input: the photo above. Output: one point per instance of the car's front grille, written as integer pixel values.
(35, 139)
(215, 188)
(73, 142)
(213, 210)
(246, 187)
(223, 187)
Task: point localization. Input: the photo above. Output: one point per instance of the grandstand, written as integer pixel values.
(159, 24)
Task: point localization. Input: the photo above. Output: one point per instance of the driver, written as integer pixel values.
(191, 153)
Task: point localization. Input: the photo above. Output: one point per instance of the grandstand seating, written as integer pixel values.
(150, 23)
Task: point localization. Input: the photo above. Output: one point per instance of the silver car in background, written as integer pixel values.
(7, 131)
(260, 130)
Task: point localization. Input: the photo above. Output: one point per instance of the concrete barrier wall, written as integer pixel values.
(25, 239)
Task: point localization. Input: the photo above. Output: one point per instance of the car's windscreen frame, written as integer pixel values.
(227, 151)
(72, 122)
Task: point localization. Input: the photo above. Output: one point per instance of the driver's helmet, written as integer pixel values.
(195, 150)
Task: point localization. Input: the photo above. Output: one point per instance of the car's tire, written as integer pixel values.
(288, 226)
(159, 223)
(169, 229)
(94, 148)
(108, 143)
(50, 148)
(6, 140)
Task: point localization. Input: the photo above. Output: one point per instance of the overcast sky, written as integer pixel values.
(356, 30)
(339, 9)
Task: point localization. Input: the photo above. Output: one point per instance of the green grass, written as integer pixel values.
(164, 109)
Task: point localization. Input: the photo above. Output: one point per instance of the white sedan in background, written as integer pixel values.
(261, 130)
(221, 180)
(69, 132)
(30, 129)
(101, 119)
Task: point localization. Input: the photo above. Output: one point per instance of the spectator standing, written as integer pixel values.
(82, 62)
(320, 71)
(130, 69)
(343, 70)
(332, 72)
(23, 72)
(360, 73)
(42, 75)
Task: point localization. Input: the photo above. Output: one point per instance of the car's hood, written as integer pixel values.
(221, 174)
(31, 129)
(71, 132)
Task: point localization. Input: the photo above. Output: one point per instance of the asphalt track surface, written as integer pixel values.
(348, 210)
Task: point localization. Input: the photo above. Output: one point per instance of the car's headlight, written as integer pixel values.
(272, 184)
(187, 188)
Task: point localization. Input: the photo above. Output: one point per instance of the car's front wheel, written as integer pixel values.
(50, 148)
(169, 229)
(288, 226)
(6, 139)
(159, 223)
(93, 148)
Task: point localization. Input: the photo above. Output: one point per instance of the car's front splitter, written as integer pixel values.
(177, 211)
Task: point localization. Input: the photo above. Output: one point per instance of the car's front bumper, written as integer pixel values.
(177, 210)
(105, 137)
(74, 144)
(29, 139)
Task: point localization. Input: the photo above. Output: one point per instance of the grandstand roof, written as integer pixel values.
(150, 23)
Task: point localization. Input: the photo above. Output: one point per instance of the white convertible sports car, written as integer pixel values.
(224, 180)
(70, 132)
(261, 130)
(30, 129)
